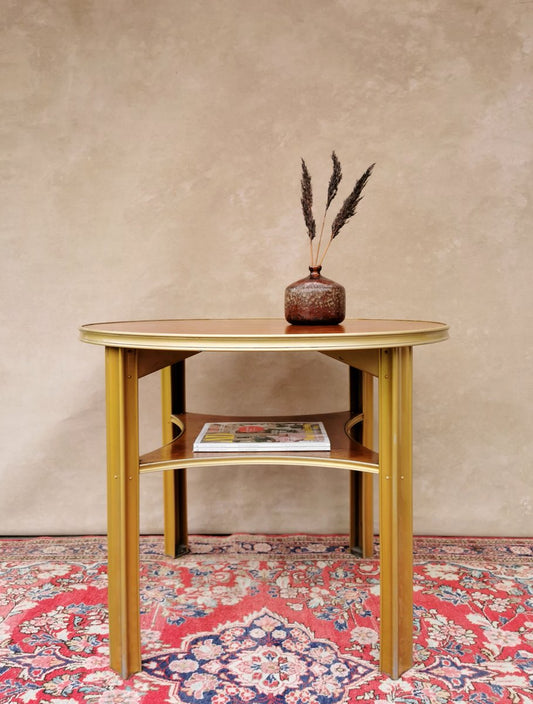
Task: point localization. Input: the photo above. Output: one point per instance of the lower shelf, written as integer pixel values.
(345, 453)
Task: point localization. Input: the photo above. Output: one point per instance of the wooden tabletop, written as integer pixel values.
(262, 334)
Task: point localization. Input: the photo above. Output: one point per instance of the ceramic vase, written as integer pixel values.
(315, 300)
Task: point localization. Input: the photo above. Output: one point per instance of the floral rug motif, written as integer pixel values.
(268, 620)
(263, 658)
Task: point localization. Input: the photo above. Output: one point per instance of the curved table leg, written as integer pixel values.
(396, 523)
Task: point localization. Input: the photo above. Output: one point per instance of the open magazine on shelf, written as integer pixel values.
(260, 436)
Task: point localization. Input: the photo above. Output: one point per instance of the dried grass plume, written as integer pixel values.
(347, 210)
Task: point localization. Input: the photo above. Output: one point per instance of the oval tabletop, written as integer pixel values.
(262, 334)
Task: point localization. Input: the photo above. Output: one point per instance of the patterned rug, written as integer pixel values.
(268, 620)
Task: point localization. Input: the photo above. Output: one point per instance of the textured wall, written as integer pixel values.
(151, 169)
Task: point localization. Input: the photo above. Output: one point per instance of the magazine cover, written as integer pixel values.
(261, 437)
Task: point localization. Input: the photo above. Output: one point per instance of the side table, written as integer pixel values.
(370, 348)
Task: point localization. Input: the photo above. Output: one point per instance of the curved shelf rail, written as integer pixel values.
(345, 453)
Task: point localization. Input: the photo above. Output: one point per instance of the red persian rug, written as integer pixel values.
(268, 620)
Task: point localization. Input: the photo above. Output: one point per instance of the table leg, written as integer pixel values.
(123, 510)
(174, 481)
(362, 483)
(396, 529)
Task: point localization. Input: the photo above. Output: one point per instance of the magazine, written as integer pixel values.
(262, 437)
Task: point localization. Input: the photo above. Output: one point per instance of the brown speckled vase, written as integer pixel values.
(315, 300)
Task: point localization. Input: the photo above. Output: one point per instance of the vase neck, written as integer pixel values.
(315, 271)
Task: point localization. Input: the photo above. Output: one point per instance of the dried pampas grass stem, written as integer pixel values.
(307, 205)
(333, 187)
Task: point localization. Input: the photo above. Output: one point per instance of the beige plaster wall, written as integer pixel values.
(150, 168)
